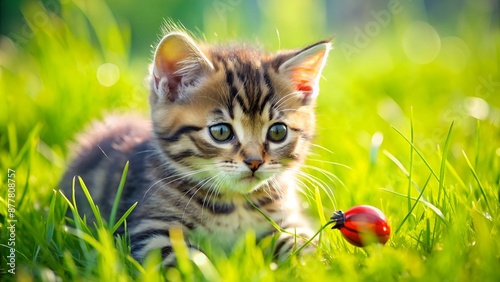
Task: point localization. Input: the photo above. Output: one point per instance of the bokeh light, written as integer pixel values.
(108, 74)
(421, 43)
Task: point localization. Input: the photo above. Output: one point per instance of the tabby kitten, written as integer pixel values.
(230, 125)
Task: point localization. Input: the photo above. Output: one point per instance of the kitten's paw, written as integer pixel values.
(295, 243)
(171, 260)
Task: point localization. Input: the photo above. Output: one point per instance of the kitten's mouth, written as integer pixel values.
(246, 182)
(251, 177)
(253, 180)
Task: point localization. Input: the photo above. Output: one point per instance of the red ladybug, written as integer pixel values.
(361, 225)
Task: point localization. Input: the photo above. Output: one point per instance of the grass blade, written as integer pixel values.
(28, 146)
(481, 188)
(118, 196)
(403, 169)
(414, 205)
(319, 205)
(442, 169)
(396, 162)
(93, 207)
(270, 220)
(476, 157)
(181, 253)
(85, 237)
(418, 153)
(410, 172)
(122, 219)
(428, 204)
(454, 173)
(79, 224)
(49, 228)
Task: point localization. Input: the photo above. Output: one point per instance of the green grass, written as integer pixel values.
(436, 174)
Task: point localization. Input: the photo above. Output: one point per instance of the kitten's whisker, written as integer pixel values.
(275, 182)
(215, 187)
(302, 190)
(163, 165)
(197, 189)
(175, 178)
(209, 190)
(315, 181)
(202, 184)
(323, 148)
(288, 110)
(310, 193)
(214, 100)
(330, 162)
(179, 176)
(145, 151)
(285, 98)
(326, 173)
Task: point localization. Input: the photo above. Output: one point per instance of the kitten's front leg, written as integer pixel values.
(145, 240)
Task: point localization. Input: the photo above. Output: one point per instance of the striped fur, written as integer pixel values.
(181, 175)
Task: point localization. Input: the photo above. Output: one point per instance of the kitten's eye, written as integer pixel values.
(221, 132)
(277, 132)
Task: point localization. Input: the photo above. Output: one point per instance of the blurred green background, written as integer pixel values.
(404, 65)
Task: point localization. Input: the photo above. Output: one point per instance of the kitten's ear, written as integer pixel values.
(304, 68)
(178, 61)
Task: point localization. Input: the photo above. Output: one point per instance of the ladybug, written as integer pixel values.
(362, 225)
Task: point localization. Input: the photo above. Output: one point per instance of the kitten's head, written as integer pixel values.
(233, 117)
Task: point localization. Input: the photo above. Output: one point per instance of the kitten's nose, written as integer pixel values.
(254, 163)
